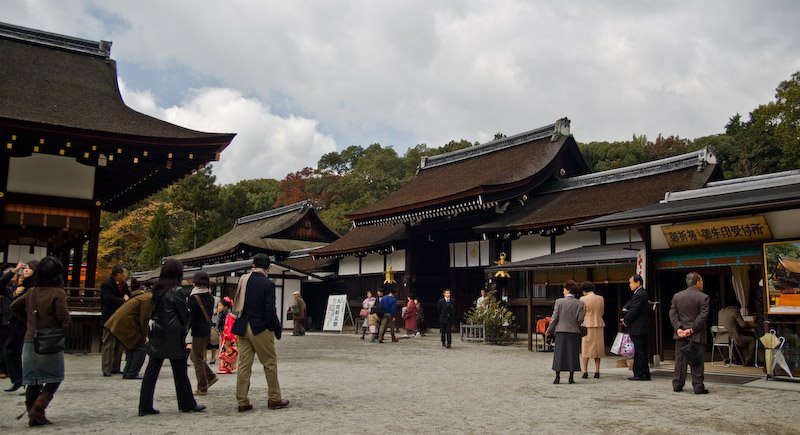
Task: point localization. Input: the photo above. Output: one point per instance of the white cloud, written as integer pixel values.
(266, 145)
(402, 73)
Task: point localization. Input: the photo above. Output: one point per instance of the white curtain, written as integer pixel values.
(741, 285)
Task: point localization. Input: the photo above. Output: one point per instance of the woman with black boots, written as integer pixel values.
(43, 306)
(169, 324)
(12, 347)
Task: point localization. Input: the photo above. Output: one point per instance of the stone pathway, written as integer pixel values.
(340, 384)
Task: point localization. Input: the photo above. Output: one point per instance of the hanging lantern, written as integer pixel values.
(389, 275)
(500, 262)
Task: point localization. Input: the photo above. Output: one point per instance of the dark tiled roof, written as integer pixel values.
(618, 253)
(255, 234)
(56, 80)
(60, 94)
(310, 264)
(511, 164)
(568, 207)
(368, 238)
(720, 199)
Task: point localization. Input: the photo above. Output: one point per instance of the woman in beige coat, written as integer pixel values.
(593, 344)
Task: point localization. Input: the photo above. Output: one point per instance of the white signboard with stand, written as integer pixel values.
(335, 313)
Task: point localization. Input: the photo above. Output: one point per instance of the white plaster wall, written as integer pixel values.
(657, 239)
(397, 260)
(621, 236)
(56, 176)
(348, 266)
(22, 253)
(372, 263)
(284, 300)
(459, 254)
(784, 224)
(484, 245)
(529, 246)
(575, 239)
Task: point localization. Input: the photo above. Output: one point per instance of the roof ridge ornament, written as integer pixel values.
(699, 159)
(56, 40)
(298, 206)
(736, 185)
(554, 131)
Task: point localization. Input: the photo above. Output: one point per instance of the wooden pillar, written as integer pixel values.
(94, 241)
(532, 282)
(77, 261)
(63, 254)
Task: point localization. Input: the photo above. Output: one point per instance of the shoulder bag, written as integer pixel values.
(213, 338)
(47, 340)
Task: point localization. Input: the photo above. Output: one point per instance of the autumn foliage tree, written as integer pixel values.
(199, 210)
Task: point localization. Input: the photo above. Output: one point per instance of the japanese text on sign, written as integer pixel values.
(712, 232)
(334, 314)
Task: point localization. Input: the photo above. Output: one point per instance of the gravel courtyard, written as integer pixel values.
(340, 384)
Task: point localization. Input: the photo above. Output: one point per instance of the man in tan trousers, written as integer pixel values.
(257, 326)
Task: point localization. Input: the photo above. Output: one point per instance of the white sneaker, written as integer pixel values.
(416, 335)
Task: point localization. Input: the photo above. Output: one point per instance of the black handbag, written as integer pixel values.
(47, 340)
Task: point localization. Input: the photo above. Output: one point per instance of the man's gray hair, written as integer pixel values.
(692, 278)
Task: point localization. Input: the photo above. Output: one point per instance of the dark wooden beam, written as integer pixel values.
(94, 241)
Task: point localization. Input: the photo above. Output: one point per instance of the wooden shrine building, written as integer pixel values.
(519, 196)
(545, 249)
(275, 232)
(287, 234)
(71, 148)
(425, 230)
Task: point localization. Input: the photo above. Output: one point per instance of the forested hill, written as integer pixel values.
(195, 210)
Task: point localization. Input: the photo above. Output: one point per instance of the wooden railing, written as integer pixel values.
(84, 300)
(84, 307)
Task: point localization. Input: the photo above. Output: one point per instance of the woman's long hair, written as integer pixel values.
(170, 277)
(31, 280)
(49, 273)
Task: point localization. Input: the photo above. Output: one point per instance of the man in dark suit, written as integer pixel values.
(446, 308)
(257, 326)
(113, 293)
(637, 322)
(688, 315)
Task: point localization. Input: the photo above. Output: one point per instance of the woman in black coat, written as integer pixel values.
(12, 348)
(169, 324)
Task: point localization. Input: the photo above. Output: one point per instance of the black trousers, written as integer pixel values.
(183, 388)
(447, 335)
(5, 330)
(12, 353)
(698, 371)
(641, 365)
(134, 360)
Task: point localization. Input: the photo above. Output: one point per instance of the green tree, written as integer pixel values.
(157, 245)
(602, 156)
(196, 194)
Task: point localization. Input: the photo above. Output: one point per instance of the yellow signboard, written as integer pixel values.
(747, 229)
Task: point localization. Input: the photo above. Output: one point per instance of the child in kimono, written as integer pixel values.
(228, 353)
(373, 322)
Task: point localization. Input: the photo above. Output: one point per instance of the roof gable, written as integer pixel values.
(571, 200)
(70, 82)
(477, 176)
(718, 199)
(260, 232)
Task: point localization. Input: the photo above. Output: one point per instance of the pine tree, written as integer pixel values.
(157, 245)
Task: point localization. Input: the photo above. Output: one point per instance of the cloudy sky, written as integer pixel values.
(296, 79)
